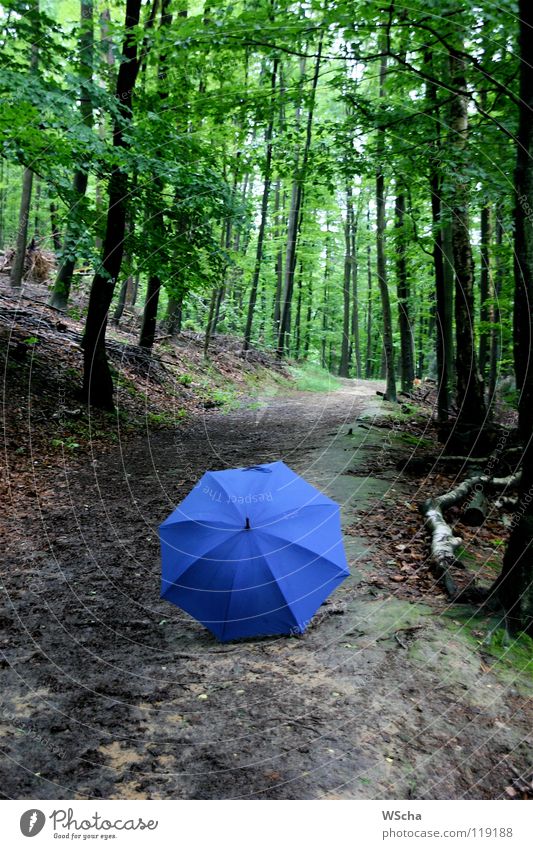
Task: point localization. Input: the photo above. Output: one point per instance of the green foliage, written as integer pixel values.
(197, 156)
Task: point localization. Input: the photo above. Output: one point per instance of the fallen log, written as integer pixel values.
(444, 543)
(476, 509)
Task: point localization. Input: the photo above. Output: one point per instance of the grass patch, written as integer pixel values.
(313, 378)
(415, 441)
(513, 652)
(165, 419)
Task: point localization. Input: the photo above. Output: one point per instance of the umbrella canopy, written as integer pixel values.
(252, 552)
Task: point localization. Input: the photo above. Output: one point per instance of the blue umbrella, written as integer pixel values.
(252, 552)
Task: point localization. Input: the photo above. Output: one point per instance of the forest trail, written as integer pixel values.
(110, 692)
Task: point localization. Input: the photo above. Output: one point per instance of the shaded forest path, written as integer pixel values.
(111, 692)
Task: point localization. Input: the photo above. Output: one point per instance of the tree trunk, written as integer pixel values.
(369, 353)
(355, 338)
(219, 292)
(295, 217)
(297, 328)
(344, 366)
(149, 320)
(449, 301)
(484, 289)
(174, 314)
(279, 209)
(309, 316)
(381, 266)
(37, 212)
(17, 266)
(3, 194)
(470, 400)
(325, 298)
(443, 321)
(61, 290)
(56, 239)
(264, 213)
(515, 584)
(402, 284)
(496, 315)
(97, 381)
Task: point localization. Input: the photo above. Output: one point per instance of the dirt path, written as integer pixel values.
(111, 692)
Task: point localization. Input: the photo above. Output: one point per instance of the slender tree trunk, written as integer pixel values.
(449, 291)
(344, 366)
(470, 398)
(297, 329)
(515, 585)
(37, 212)
(496, 314)
(279, 209)
(56, 239)
(355, 337)
(484, 289)
(174, 314)
(325, 299)
(264, 213)
(402, 284)
(422, 322)
(17, 267)
(97, 381)
(381, 266)
(280, 217)
(309, 316)
(295, 217)
(443, 320)
(121, 303)
(106, 49)
(3, 180)
(61, 290)
(149, 320)
(369, 327)
(220, 291)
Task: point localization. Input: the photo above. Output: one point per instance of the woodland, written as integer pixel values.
(341, 184)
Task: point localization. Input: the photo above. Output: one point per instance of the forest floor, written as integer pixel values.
(110, 692)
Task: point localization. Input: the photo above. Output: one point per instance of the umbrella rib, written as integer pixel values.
(230, 596)
(275, 581)
(317, 556)
(200, 557)
(225, 491)
(277, 516)
(202, 523)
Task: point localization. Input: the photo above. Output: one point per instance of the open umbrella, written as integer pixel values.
(252, 551)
